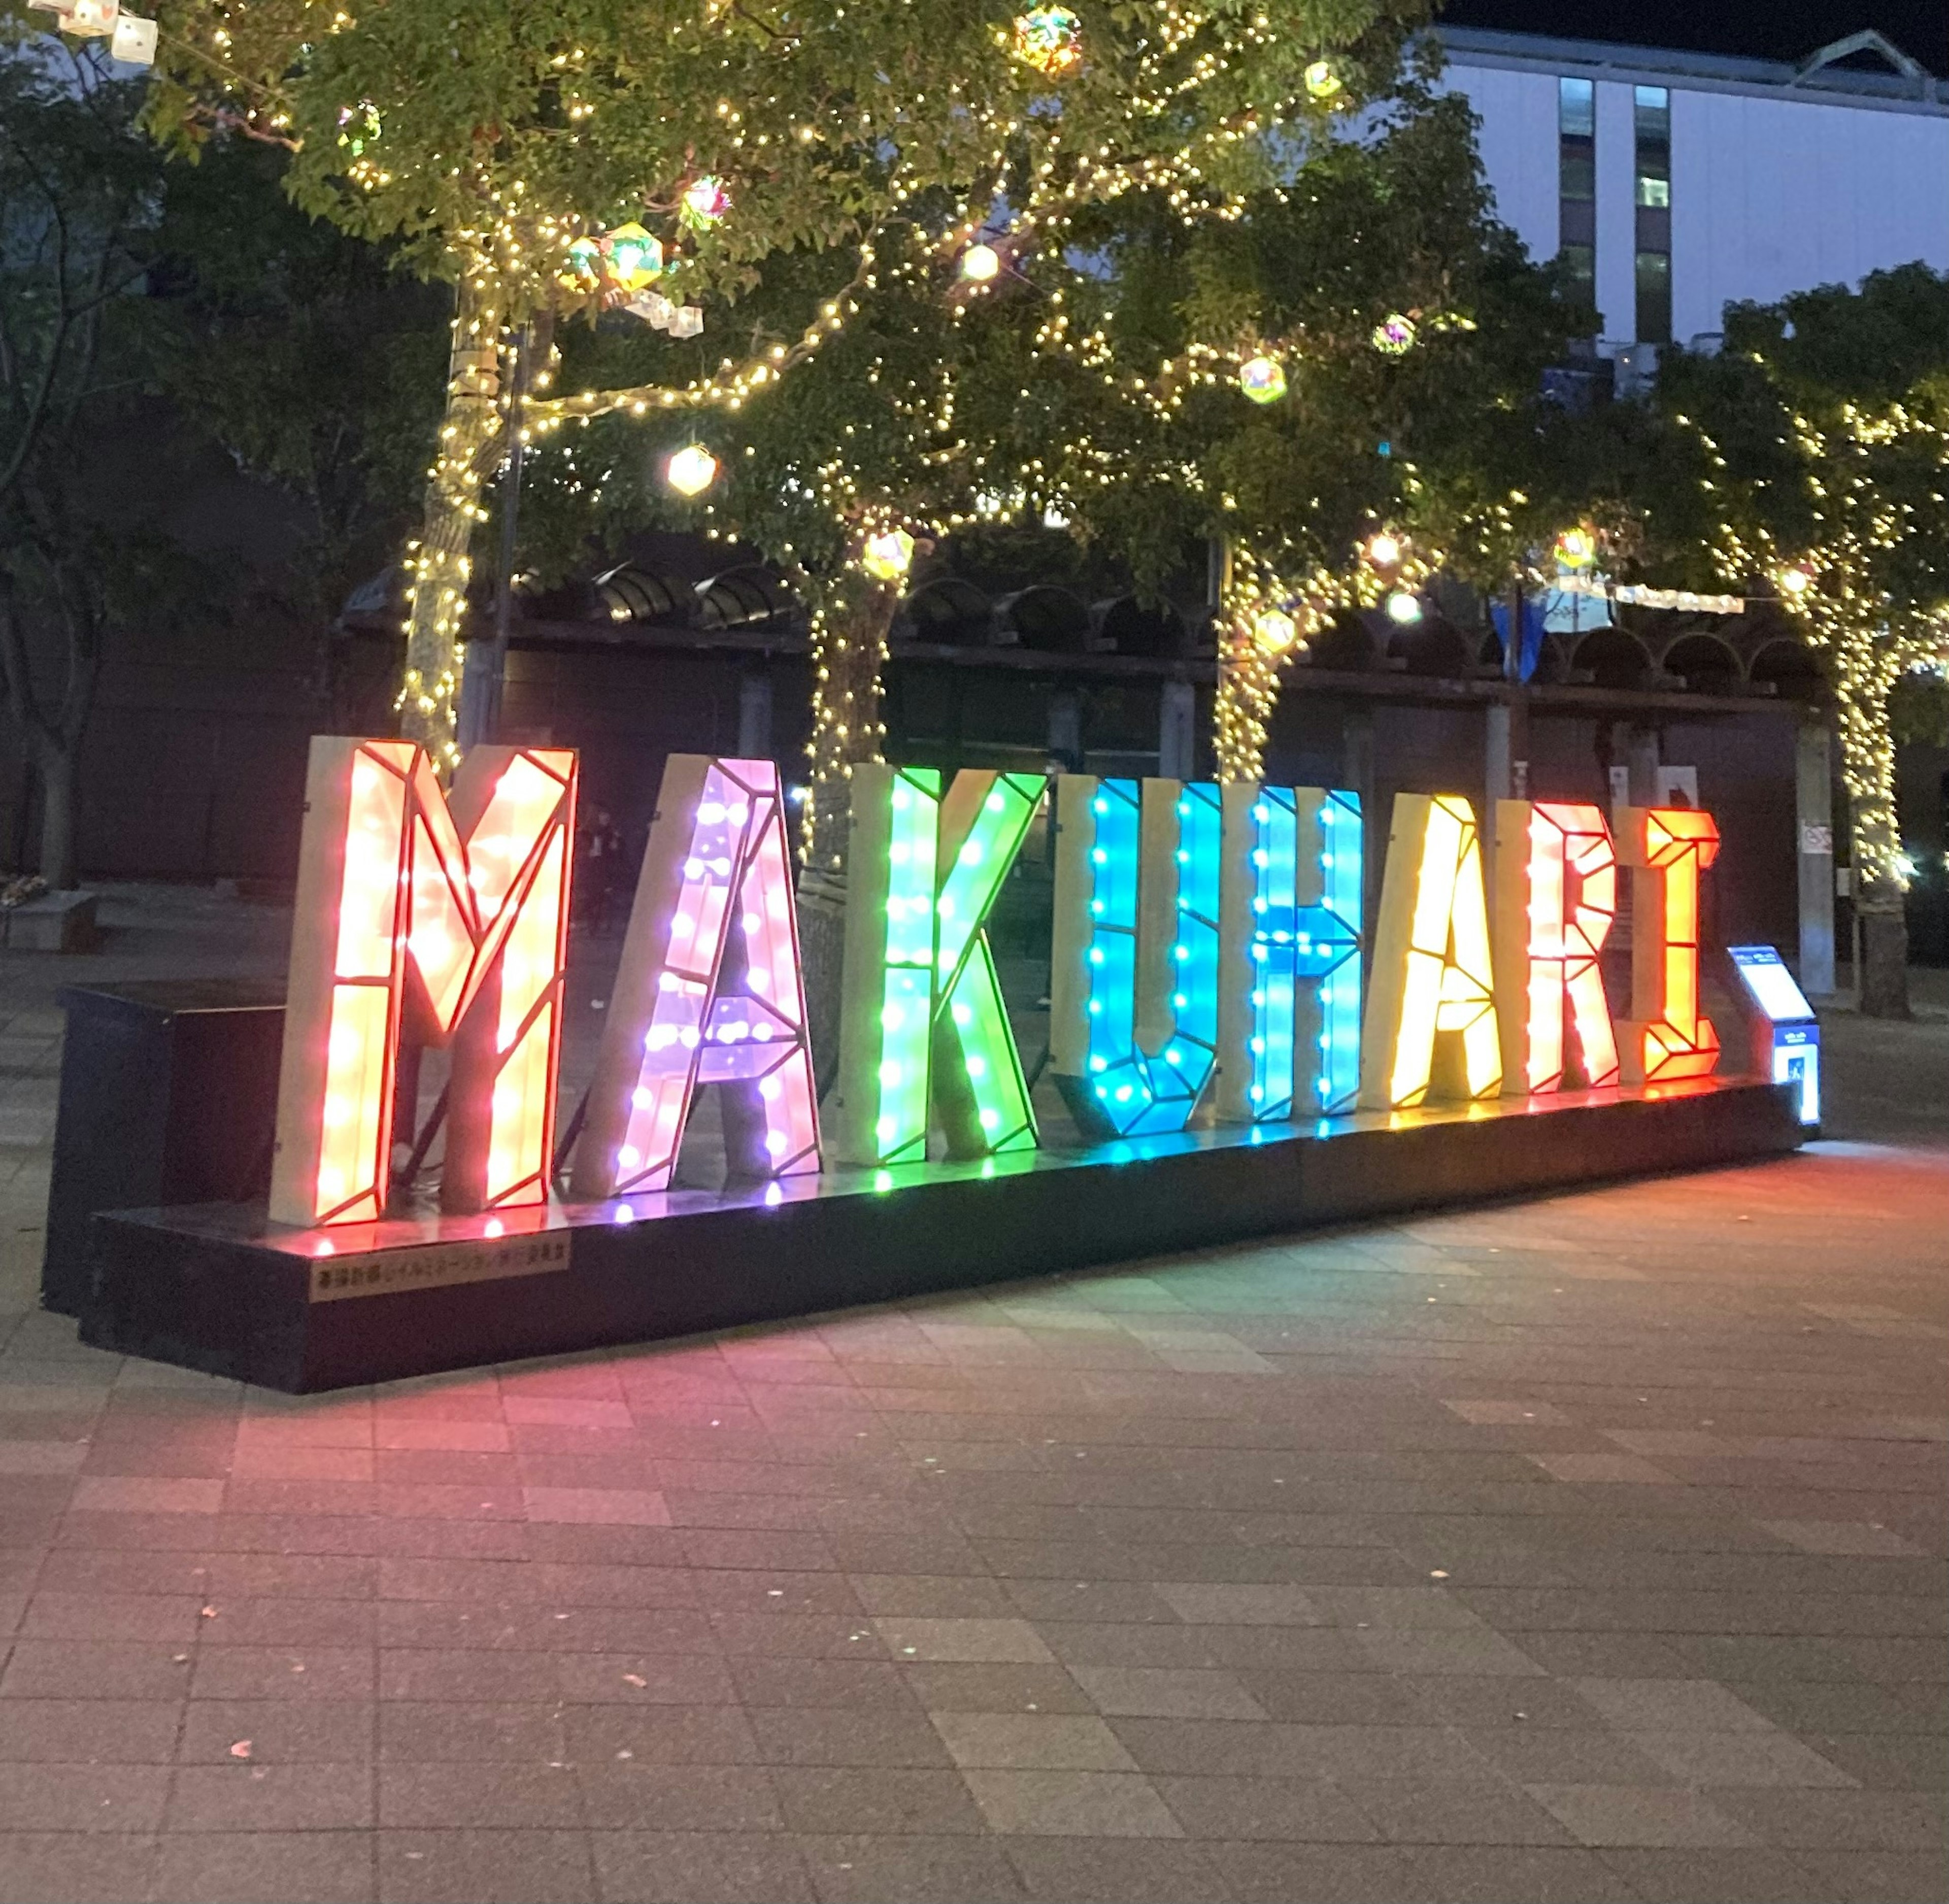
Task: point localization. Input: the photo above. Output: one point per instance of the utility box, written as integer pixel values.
(169, 1095)
(1785, 1034)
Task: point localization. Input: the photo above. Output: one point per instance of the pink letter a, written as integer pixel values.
(709, 992)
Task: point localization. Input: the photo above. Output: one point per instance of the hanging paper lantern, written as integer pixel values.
(1795, 581)
(1263, 378)
(887, 557)
(692, 471)
(704, 203)
(1395, 335)
(981, 264)
(635, 260)
(1576, 549)
(1275, 631)
(1050, 39)
(1403, 608)
(358, 126)
(583, 272)
(1384, 551)
(1321, 81)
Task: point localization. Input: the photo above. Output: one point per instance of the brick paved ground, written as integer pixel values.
(1590, 1550)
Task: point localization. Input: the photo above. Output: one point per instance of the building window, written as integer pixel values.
(1577, 182)
(1651, 113)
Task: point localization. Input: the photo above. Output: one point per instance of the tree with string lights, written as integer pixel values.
(561, 159)
(1820, 435)
(1340, 384)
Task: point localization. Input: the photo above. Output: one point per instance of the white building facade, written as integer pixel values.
(1677, 183)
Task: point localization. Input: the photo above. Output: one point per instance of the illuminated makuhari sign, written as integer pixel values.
(709, 991)
(922, 1027)
(1207, 951)
(1290, 912)
(1133, 973)
(470, 895)
(1557, 894)
(1432, 1028)
(1667, 1036)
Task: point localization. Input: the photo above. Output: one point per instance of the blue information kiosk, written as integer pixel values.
(1786, 1035)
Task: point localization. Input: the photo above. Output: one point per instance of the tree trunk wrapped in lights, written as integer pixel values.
(850, 619)
(1824, 428)
(850, 628)
(429, 698)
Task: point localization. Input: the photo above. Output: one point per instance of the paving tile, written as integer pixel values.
(1313, 1810)
(1840, 1537)
(1072, 1804)
(621, 1796)
(481, 1797)
(1412, 1651)
(1056, 1870)
(1738, 1758)
(1639, 1814)
(1534, 1875)
(849, 1800)
(980, 1686)
(603, 1506)
(1751, 1876)
(50, 1731)
(145, 1494)
(1279, 1873)
(910, 1870)
(1878, 1877)
(1852, 1821)
(266, 1868)
(1032, 1741)
(1010, 1641)
(485, 1867)
(82, 1797)
(277, 1732)
(1486, 1414)
(66, 1867)
(1671, 1705)
(657, 1867)
(249, 1796)
(94, 1669)
(1213, 1605)
(1159, 1692)
(1478, 1809)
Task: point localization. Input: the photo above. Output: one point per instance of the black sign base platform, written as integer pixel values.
(211, 1288)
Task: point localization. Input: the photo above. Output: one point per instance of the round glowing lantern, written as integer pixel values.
(981, 264)
(1384, 551)
(1403, 608)
(1050, 39)
(1576, 549)
(1263, 378)
(887, 557)
(1395, 335)
(635, 259)
(704, 203)
(691, 471)
(1275, 631)
(584, 270)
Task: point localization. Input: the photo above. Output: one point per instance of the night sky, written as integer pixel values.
(1771, 29)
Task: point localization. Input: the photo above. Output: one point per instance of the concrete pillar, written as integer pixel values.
(1065, 729)
(1645, 758)
(1356, 776)
(754, 715)
(1177, 732)
(1813, 789)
